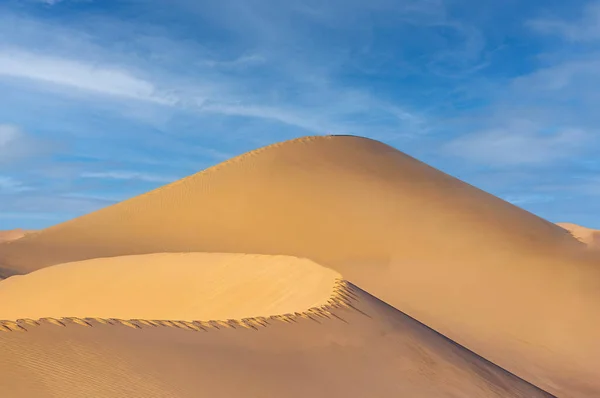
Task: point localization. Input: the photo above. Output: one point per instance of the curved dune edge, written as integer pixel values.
(182, 286)
(342, 297)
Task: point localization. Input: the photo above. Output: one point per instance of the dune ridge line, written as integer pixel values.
(206, 171)
(344, 293)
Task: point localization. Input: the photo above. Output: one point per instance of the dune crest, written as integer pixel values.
(505, 283)
(589, 236)
(185, 286)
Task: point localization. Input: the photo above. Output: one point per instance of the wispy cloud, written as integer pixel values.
(520, 143)
(9, 185)
(129, 175)
(521, 200)
(585, 28)
(244, 61)
(16, 145)
(78, 75)
(545, 116)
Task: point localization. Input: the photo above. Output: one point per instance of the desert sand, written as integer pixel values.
(367, 350)
(12, 234)
(589, 236)
(184, 286)
(510, 286)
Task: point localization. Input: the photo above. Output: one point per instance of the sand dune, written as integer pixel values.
(514, 288)
(590, 237)
(191, 286)
(12, 234)
(377, 352)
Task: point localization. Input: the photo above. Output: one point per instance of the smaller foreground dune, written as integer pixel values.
(360, 348)
(190, 286)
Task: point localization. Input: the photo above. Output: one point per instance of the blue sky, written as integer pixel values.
(101, 100)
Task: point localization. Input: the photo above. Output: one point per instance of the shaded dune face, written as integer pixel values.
(509, 285)
(13, 234)
(367, 350)
(183, 286)
(7, 236)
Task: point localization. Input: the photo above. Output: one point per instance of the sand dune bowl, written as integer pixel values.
(184, 286)
(516, 289)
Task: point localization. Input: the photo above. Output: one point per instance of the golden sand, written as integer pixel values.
(13, 234)
(589, 236)
(190, 286)
(511, 286)
(368, 350)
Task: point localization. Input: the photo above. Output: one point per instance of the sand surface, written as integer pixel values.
(12, 234)
(187, 286)
(378, 352)
(589, 236)
(515, 288)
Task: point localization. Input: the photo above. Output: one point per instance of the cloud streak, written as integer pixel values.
(9, 185)
(78, 75)
(129, 175)
(519, 144)
(586, 28)
(16, 145)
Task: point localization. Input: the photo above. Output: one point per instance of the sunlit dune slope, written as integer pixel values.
(192, 286)
(589, 236)
(513, 287)
(377, 352)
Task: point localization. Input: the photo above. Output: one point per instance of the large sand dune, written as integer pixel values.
(514, 288)
(367, 350)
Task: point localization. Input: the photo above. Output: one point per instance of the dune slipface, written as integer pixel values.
(513, 287)
(354, 346)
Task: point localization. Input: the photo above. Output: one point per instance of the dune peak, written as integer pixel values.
(459, 259)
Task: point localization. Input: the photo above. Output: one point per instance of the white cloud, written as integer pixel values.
(569, 76)
(520, 200)
(9, 185)
(587, 28)
(243, 61)
(79, 75)
(292, 118)
(16, 145)
(147, 65)
(129, 175)
(8, 135)
(519, 143)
